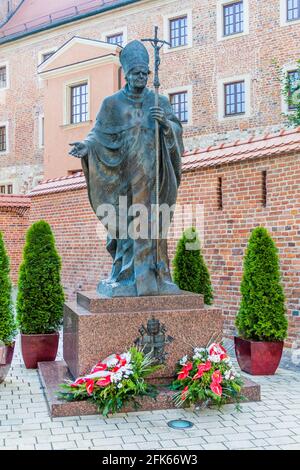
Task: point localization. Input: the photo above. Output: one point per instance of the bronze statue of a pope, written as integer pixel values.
(119, 163)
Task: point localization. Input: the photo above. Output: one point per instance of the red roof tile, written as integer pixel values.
(281, 143)
(286, 141)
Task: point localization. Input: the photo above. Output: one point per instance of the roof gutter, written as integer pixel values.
(66, 21)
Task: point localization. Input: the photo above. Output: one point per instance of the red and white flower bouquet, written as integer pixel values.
(114, 381)
(207, 377)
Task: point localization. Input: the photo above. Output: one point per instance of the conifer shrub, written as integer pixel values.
(40, 294)
(190, 271)
(7, 322)
(261, 316)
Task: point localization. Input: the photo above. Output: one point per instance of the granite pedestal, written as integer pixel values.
(96, 327)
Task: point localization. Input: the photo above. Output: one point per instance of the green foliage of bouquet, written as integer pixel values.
(114, 382)
(207, 377)
(7, 323)
(261, 316)
(190, 271)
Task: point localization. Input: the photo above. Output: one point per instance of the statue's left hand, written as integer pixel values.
(159, 114)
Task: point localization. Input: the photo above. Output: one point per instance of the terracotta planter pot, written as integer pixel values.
(38, 348)
(6, 356)
(258, 357)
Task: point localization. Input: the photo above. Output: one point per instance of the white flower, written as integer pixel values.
(227, 375)
(126, 356)
(116, 377)
(215, 359)
(183, 360)
(111, 361)
(199, 350)
(120, 385)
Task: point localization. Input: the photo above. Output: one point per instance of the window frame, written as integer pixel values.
(284, 15)
(289, 72)
(115, 36)
(227, 5)
(7, 86)
(114, 32)
(81, 104)
(221, 23)
(286, 69)
(183, 89)
(43, 52)
(221, 97)
(236, 113)
(67, 101)
(167, 30)
(287, 12)
(6, 151)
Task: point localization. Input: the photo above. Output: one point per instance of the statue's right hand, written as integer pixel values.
(79, 149)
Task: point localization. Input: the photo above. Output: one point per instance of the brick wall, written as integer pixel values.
(226, 231)
(200, 67)
(14, 221)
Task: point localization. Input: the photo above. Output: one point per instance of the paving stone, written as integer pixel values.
(280, 440)
(235, 445)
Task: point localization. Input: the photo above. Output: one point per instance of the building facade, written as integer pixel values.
(219, 72)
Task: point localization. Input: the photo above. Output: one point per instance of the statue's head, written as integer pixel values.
(134, 59)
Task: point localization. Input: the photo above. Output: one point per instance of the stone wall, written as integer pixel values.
(14, 221)
(201, 67)
(81, 241)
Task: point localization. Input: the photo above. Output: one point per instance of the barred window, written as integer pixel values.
(179, 102)
(233, 18)
(3, 77)
(2, 139)
(234, 98)
(79, 103)
(294, 85)
(178, 32)
(115, 39)
(6, 189)
(293, 10)
(9, 189)
(2, 189)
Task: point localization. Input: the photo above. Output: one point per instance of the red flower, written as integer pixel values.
(122, 362)
(217, 377)
(99, 367)
(184, 393)
(201, 369)
(89, 386)
(104, 381)
(184, 373)
(216, 388)
(78, 381)
(115, 369)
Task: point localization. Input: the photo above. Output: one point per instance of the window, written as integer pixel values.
(117, 38)
(234, 98)
(178, 32)
(6, 189)
(179, 102)
(264, 188)
(3, 144)
(79, 103)
(233, 18)
(294, 85)
(220, 193)
(293, 10)
(3, 77)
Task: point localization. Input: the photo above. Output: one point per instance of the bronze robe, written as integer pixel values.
(121, 161)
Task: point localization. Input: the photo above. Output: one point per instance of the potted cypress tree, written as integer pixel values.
(190, 271)
(7, 322)
(261, 321)
(40, 296)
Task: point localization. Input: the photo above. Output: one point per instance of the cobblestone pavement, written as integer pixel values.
(273, 423)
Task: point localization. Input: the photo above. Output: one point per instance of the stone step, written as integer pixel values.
(94, 303)
(52, 374)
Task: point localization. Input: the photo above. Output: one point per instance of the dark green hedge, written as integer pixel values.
(190, 271)
(40, 295)
(261, 316)
(7, 323)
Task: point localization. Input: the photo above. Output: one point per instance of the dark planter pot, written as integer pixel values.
(6, 356)
(39, 348)
(258, 357)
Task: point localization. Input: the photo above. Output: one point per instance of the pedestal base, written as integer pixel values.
(53, 374)
(96, 327)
